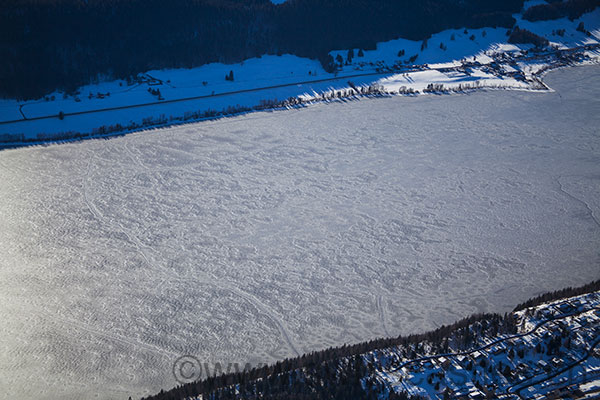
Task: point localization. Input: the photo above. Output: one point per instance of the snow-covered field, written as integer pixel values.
(281, 77)
(264, 236)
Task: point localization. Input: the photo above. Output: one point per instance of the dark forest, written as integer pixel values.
(48, 45)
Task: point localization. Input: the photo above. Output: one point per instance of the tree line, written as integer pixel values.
(559, 295)
(572, 9)
(339, 373)
(48, 45)
(521, 36)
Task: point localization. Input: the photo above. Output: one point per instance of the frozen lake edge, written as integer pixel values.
(505, 67)
(329, 224)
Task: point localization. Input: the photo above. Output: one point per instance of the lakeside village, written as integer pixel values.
(554, 352)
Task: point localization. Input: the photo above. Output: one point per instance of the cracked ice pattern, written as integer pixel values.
(255, 238)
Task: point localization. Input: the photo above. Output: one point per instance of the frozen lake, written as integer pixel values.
(259, 237)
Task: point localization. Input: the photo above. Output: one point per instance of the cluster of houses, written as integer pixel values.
(553, 354)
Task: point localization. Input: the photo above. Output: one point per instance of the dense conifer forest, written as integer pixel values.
(571, 9)
(559, 294)
(48, 45)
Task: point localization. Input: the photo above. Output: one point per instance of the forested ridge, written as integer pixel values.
(48, 45)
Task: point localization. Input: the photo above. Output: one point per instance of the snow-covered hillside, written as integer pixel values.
(173, 96)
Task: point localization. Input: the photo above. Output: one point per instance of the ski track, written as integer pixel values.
(382, 316)
(260, 306)
(113, 336)
(578, 200)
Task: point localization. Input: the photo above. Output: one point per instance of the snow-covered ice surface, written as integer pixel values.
(263, 236)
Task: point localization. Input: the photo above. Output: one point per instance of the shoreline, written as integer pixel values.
(378, 89)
